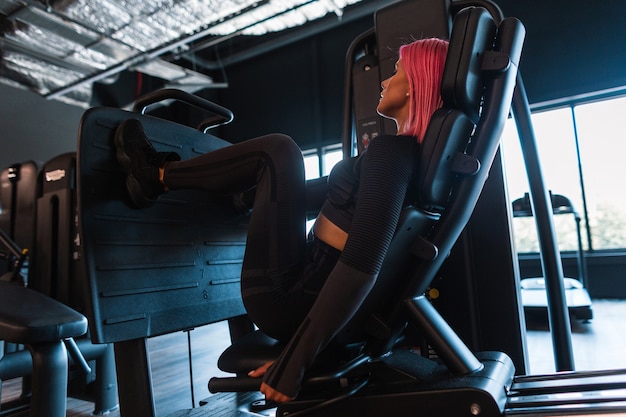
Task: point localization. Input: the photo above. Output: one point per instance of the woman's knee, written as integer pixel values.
(279, 143)
(283, 150)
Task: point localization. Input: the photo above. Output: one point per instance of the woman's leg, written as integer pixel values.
(273, 164)
(276, 241)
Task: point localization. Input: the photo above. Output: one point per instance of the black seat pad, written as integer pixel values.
(28, 317)
(250, 352)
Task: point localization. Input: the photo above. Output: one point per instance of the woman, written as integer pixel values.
(298, 290)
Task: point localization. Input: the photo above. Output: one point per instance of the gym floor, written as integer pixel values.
(597, 345)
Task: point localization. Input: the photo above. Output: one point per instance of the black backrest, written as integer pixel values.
(451, 127)
(463, 137)
(173, 266)
(55, 261)
(18, 192)
(460, 144)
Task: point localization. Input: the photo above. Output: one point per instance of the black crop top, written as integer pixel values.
(366, 195)
(389, 173)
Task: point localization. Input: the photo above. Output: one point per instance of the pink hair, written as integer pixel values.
(423, 61)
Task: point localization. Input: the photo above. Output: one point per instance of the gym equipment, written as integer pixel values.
(47, 328)
(458, 149)
(171, 267)
(38, 214)
(56, 270)
(388, 379)
(533, 289)
(141, 285)
(18, 188)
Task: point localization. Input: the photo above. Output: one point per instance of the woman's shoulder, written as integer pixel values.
(393, 138)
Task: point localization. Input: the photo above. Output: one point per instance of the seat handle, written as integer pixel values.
(220, 115)
(234, 384)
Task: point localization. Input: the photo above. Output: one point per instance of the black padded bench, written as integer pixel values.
(42, 324)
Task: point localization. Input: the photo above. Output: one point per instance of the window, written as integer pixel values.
(601, 130)
(581, 150)
(319, 162)
(311, 164)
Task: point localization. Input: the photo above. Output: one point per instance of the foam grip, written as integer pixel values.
(234, 384)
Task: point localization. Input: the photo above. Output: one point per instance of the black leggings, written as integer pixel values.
(280, 277)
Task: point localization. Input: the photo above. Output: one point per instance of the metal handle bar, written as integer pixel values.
(221, 115)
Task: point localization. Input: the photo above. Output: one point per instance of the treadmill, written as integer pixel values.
(533, 289)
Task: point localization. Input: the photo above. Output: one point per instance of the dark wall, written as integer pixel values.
(572, 47)
(297, 89)
(34, 128)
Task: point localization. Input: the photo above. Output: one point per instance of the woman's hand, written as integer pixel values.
(270, 393)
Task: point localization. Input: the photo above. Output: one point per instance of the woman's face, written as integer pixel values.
(394, 98)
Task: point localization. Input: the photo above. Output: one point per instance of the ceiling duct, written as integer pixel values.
(58, 49)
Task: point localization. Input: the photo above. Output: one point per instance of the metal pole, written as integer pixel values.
(581, 178)
(550, 257)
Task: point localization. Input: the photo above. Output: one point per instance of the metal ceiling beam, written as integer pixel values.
(142, 58)
(129, 63)
(354, 12)
(180, 47)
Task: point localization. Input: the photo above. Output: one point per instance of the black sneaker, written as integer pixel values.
(141, 161)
